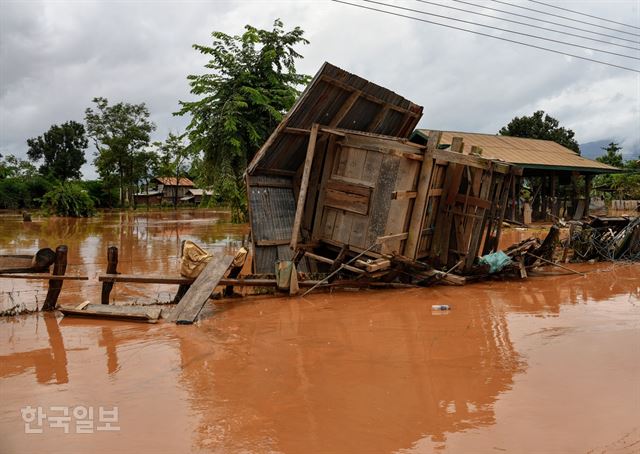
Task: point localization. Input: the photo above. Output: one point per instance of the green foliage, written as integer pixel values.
(541, 126)
(12, 166)
(68, 200)
(120, 133)
(251, 82)
(62, 150)
(103, 195)
(619, 185)
(22, 192)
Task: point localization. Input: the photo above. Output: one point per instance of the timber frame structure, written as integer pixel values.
(558, 179)
(339, 176)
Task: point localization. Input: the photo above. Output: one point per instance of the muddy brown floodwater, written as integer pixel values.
(550, 364)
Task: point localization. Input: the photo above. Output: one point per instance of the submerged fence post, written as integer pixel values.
(59, 268)
(112, 265)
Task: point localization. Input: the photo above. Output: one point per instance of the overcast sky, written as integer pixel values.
(56, 56)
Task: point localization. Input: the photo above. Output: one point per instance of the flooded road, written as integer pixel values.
(549, 364)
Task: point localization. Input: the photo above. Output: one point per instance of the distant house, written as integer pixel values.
(170, 185)
(195, 195)
(151, 197)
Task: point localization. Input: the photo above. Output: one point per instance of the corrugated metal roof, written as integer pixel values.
(335, 98)
(171, 181)
(527, 153)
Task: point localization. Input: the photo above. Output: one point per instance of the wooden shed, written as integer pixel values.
(340, 176)
(558, 179)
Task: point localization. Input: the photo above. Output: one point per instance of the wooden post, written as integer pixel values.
(304, 185)
(419, 205)
(59, 268)
(587, 193)
(555, 206)
(112, 265)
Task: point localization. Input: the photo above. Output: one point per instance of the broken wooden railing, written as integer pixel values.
(40, 264)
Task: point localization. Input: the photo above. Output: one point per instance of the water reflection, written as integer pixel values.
(50, 363)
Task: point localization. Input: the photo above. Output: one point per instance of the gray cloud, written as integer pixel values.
(56, 56)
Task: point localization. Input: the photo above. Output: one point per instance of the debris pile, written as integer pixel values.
(605, 238)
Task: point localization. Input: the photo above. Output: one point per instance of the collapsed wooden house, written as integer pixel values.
(339, 176)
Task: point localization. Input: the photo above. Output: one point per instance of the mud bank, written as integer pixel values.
(544, 365)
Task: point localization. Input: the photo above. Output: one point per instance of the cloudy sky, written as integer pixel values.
(55, 56)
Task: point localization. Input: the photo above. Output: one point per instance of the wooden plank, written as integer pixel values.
(190, 305)
(304, 185)
(44, 277)
(395, 236)
(347, 201)
(131, 313)
(271, 242)
(319, 258)
(419, 206)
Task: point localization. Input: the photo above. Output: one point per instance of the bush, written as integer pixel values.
(68, 200)
(23, 192)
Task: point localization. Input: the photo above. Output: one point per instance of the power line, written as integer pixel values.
(502, 29)
(487, 35)
(528, 25)
(498, 10)
(563, 17)
(583, 14)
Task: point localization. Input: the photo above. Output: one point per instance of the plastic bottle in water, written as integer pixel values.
(440, 307)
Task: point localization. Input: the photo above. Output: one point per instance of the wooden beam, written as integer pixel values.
(44, 277)
(319, 258)
(304, 185)
(420, 205)
(272, 242)
(344, 110)
(395, 236)
(474, 161)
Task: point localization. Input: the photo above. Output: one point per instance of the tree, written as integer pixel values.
(541, 126)
(173, 160)
(62, 150)
(120, 132)
(13, 167)
(613, 155)
(252, 81)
